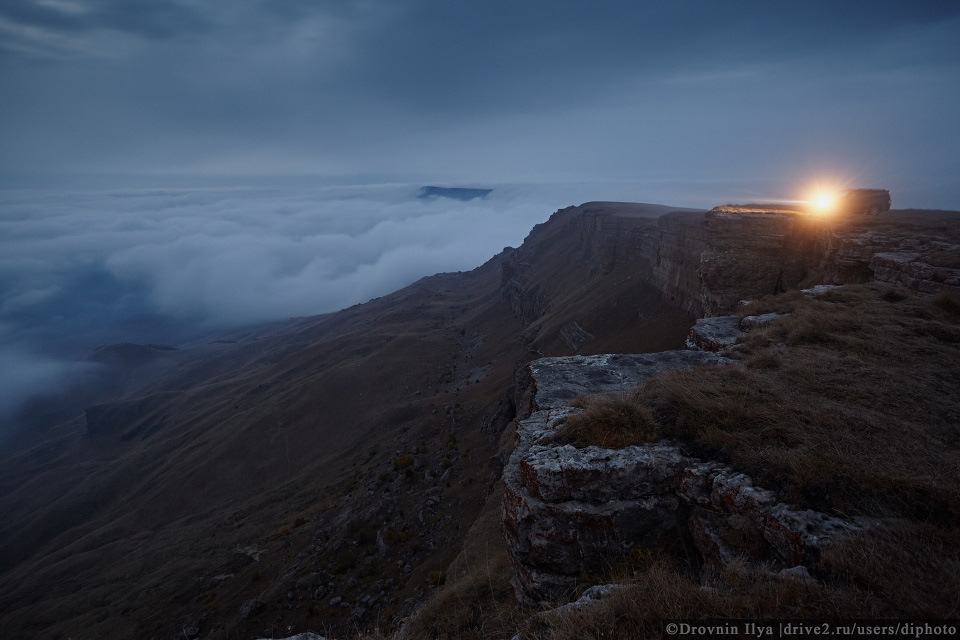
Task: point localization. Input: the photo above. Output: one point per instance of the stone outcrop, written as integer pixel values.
(714, 334)
(752, 322)
(906, 261)
(721, 332)
(908, 270)
(570, 513)
(559, 380)
(567, 511)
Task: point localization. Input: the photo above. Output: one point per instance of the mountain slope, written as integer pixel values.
(321, 470)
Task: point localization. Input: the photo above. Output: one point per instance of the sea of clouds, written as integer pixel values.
(88, 268)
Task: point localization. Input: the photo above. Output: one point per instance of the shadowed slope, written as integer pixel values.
(276, 456)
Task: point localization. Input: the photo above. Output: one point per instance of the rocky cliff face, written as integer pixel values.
(582, 279)
(566, 511)
(708, 262)
(915, 262)
(909, 270)
(569, 514)
(612, 233)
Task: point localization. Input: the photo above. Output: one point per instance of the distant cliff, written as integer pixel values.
(455, 193)
(708, 262)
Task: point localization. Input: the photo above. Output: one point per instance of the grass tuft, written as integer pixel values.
(948, 302)
(612, 422)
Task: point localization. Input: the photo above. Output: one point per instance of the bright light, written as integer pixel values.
(824, 201)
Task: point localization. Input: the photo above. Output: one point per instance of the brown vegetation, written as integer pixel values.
(477, 601)
(612, 422)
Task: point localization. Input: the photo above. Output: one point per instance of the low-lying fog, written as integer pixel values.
(83, 269)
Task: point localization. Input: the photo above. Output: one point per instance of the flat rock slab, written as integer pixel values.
(596, 475)
(820, 289)
(715, 334)
(752, 322)
(560, 380)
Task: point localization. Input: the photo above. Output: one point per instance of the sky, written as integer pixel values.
(163, 92)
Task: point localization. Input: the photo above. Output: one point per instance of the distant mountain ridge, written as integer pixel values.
(454, 193)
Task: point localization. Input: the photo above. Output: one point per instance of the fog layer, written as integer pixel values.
(83, 269)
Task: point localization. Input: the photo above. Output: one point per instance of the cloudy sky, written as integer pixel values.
(865, 93)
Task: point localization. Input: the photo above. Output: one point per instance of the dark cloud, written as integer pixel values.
(148, 18)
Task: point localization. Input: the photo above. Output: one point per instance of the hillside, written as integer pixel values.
(274, 461)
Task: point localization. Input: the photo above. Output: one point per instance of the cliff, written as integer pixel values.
(707, 262)
(571, 513)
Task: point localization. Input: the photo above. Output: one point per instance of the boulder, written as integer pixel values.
(752, 322)
(714, 334)
(250, 608)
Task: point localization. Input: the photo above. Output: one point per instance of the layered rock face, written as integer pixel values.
(909, 262)
(568, 511)
(681, 240)
(569, 514)
(708, 262)
(610, 235)
(909, 270)
(595, 235)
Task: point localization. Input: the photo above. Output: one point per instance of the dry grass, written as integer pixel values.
(947, 302)
(913, 569)
(905, 570)
(849, 405)
(660, 594)
(785, 303)
(948, 259)
(612, 421)
(477, 604)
